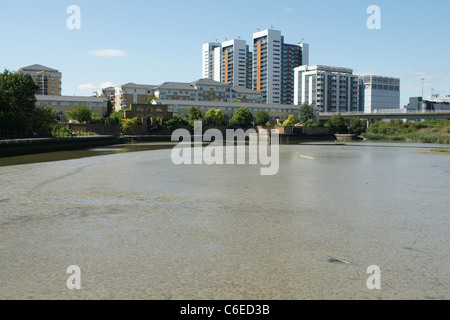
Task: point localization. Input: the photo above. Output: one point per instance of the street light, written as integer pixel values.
(422, 87)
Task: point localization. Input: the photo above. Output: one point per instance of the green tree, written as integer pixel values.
(241, 117)
(17, 102)
(214, 117)
(175, 122)
(117, 116)
(290, 122)
(306, 112)
(128, 124)
(43, 121)
(337, 124)
(80, 113)
(194, 114)
(109, 108)
(357, 126)
(150, 100)
(262, 117)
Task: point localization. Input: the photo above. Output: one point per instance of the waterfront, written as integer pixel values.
(140, 227)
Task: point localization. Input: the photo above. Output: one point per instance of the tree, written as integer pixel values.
(357, 126)
(262, 117)
(150, 100)
(214, 117)
(117, 116)
(306, 112)
(242, 117)
(109, 108)
(43, 121)
(17, 102)
(175, 122)
(194, 114)
(80, 113)
(337, 124)
(128, 124)
(290, 122)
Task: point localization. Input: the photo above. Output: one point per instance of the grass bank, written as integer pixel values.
(429, 131)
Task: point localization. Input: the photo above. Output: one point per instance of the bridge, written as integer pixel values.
(410, 115)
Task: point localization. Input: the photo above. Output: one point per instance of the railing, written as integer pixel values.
(385, 112)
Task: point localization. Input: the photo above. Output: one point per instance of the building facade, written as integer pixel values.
(379, 93)
(206, 90)
(131, 93)
(49, 80)
(435, 103)
(208, 61)
(62, 104)
(275, 111)
(273, 65)
(329, 89)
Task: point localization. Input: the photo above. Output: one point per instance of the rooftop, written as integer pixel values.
(70, 98)
(38, 67)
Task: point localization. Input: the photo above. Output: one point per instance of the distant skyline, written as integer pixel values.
(151, 42)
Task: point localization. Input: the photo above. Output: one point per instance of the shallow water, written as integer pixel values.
(140, 227)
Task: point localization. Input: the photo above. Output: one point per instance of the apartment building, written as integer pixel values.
(49, 80)
(273, 65)
(227, 62)
(275, 111)
(131, 93)
(330, 89)
(62, 104)
(379, 93)
(206, 90)
(209, 64)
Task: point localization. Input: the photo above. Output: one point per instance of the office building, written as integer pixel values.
(49, 80)
(329, 89)
(379, 93)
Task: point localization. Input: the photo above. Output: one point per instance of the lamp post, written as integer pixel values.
(422, 87)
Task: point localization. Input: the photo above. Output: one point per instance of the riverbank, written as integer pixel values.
(423, 136)
(18, 147)
(429, 131)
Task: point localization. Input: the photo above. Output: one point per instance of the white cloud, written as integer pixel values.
(89, 88)
(86, 87)
(289, 9)
(106, 84)
(108, 53)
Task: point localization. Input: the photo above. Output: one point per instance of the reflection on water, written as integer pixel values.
(140, 227)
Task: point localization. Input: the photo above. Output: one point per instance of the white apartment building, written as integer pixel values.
(226, 62)
(379, 93)
(233, 63)
(208, 61)
(267, 65)
(330, 89)
(131, 93)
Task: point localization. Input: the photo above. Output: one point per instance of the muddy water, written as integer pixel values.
(140, 227)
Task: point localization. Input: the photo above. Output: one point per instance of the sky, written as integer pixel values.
(152, 42)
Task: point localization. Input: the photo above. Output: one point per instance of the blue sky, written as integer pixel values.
(159, 41)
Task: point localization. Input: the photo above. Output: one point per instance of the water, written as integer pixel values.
(140, 227)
